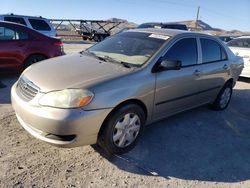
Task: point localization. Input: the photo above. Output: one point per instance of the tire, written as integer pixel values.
(96, 38)
(122, 129)
(33, 59)
(223, 99)
(101, 37)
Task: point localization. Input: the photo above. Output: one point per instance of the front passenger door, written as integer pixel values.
(177, 90)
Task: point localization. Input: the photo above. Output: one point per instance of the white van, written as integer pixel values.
(39, 24)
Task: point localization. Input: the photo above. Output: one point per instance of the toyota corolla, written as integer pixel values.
(109, 92)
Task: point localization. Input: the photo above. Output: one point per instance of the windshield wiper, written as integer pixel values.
(108, 58)
(93, 55)
(125, 64)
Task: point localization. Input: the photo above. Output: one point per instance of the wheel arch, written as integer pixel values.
(33, 54)
(231, 81)
(129, 101)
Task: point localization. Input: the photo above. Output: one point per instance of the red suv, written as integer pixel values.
(21, 46)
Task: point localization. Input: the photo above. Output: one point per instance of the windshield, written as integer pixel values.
(133, 48)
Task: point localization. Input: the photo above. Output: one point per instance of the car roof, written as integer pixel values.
(13, 23)
(23, 16)
(243, 37)
(168, 32)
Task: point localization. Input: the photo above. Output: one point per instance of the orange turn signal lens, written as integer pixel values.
(85, 101)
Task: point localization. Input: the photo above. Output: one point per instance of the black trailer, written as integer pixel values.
(95, 30)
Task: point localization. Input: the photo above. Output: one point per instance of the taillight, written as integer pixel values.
(59, 44)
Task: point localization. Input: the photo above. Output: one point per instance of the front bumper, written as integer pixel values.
(60, 127)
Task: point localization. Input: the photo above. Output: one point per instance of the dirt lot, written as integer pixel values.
(198, 148)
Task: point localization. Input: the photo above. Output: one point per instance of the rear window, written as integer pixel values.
(149, 25)
(15, 20)
(212, 51)
(39, 25)
(242, 43)
(181, 27)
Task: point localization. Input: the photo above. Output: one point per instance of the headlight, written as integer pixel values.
(68, 98)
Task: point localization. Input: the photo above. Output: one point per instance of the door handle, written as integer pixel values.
(225, 67)
(197, 73)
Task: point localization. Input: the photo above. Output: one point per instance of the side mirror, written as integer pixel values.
(163, 65)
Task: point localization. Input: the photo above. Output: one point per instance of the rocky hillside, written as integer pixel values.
(202, 26)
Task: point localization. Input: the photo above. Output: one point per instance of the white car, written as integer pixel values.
(39, 24)
(241, 47)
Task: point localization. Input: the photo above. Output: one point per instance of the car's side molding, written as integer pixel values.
(189, 95)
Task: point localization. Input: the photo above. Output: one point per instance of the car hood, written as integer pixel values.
(72, 71)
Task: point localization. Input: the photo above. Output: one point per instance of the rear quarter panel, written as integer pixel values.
(44, 46)
(236, 63)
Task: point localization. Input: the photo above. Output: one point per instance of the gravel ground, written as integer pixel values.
(198, 148)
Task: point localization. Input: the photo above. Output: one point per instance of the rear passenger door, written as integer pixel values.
(215, 68)
(13, 45)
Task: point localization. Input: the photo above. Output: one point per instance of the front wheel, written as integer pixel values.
(122, 129)
(223, 98)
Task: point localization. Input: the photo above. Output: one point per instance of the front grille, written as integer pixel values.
(26, 89)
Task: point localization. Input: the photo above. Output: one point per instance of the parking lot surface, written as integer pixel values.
(198, 148)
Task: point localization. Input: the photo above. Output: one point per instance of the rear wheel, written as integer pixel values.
(84, 38)
(96, 38)
(223, 98)
(33, 59)
(122, 129)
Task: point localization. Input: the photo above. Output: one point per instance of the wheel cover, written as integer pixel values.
(126, 130)
(225, 97)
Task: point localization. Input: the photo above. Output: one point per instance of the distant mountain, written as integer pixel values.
(124, 24)
(117, 20)
(202, 26)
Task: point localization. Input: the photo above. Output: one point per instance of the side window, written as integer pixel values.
(212, 51)
(39, 25)
(7, 34)
(22, 35)
(242, 43)
(185, 51)
(15, 20)
(11, 34)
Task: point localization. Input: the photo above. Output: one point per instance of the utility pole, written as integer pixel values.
(197, 18)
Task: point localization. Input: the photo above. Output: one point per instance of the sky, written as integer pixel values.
(224, 14)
